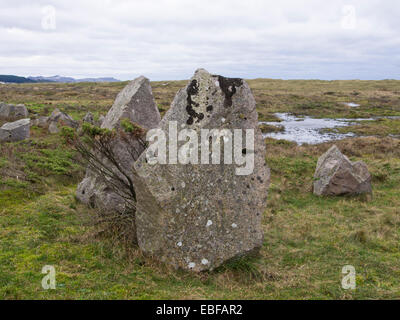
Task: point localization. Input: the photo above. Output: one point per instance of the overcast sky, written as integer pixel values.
(169, 39)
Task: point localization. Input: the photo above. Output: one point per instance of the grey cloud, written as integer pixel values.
(169, 39)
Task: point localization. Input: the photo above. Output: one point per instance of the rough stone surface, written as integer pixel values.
(89, 118)
(53, 128)
(337, 175)
(101, 120)
(58, 119)
(13, 112)
(198, 216)
(41, 122)
(4, 110)
(15, 131)
(136, 103)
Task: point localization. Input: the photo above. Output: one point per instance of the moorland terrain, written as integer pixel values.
(308, 239)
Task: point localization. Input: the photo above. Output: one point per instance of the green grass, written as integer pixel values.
(325, 99)
(3, 162)
(265, 128)
(50, 161)
(380, 127)
(315, 98)
(308, 239)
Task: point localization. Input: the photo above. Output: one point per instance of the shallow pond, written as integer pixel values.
(309, 130)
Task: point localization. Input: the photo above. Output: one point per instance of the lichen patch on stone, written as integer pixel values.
(193, 90)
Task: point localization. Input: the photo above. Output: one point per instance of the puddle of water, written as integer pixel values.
(310, 130)
(307, 129)
(351, 104)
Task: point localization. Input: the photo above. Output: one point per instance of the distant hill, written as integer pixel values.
(52, 79)
(60, 79)
(97, 80)
(71, 80)
(15, 79)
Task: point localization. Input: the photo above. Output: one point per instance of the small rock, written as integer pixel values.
(20, 111)
(53, 128)
(58, 119)
(100, 121)
(15, 131)
(337, 175)
(41, 122)
(13, 112)
(89, 118)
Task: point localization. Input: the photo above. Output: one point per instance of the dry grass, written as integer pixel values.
(308, 239)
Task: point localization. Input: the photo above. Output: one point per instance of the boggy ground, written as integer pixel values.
(308, 239)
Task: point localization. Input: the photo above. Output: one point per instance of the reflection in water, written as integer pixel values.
(308, 130)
